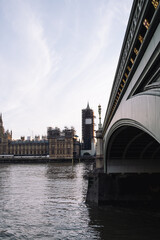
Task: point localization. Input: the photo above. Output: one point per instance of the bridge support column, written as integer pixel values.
(124, 189)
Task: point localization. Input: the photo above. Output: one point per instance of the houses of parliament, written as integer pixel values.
(56, 145)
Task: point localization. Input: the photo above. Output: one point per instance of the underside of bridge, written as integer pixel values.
(132, 149)
(132, 165)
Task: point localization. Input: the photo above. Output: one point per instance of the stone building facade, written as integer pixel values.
(28, 148)
(63, 144)
(56, 145)
(5, 137)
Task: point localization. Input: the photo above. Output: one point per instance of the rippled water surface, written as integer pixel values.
(47, 201)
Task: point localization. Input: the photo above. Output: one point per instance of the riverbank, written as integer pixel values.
(42, 160)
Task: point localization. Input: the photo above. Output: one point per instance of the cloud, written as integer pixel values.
(29, 60)
(58, 56)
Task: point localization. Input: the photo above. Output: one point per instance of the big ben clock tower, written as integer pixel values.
(87, 128)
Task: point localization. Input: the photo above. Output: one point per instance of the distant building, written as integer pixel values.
(5, 137)
(28, 147)
(88, 138)
(63, 144)
(57, 144)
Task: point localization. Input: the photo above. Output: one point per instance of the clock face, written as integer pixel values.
(88, 121)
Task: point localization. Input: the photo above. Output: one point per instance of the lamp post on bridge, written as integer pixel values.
(99, 147)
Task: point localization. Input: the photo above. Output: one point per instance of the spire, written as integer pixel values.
(1, 125)
(1, 118)
(88, 106)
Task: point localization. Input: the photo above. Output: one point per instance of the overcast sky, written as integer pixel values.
(55, 56)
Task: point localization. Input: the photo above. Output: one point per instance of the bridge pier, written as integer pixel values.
(124, 189)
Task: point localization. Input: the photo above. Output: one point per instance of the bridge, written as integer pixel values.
(130, 135)
(131, 129)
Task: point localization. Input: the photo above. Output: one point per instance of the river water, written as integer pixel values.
(47, 201)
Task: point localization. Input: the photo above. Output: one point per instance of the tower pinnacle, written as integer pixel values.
(88, 106)
(1, 122)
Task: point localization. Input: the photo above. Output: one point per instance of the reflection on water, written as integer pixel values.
(48, 202)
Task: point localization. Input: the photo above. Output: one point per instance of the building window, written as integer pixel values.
(52, 150)
(68, 151)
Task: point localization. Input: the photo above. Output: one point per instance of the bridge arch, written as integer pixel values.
(130, 147)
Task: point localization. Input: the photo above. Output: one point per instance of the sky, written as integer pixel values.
(55, 57)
